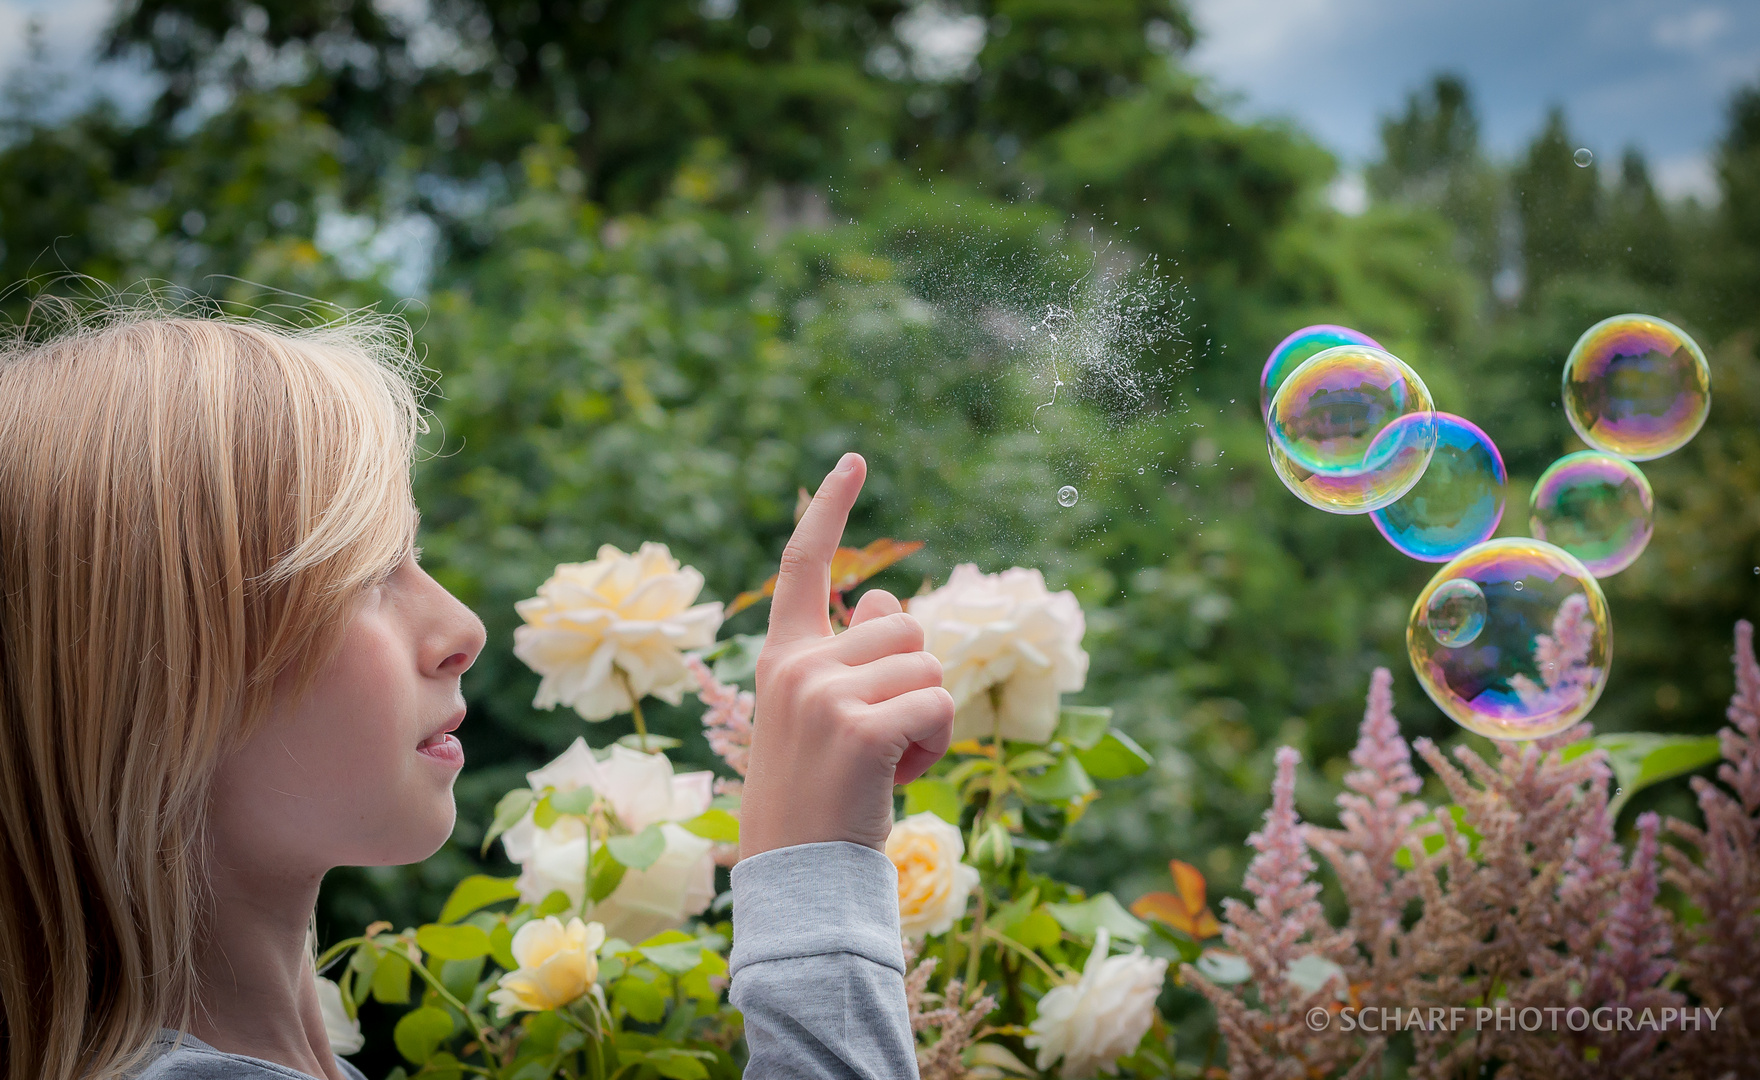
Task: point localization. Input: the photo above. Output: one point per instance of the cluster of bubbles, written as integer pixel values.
(1511, 637)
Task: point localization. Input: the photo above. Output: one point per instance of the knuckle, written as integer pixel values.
(795, 560)
(908, 629)
(930, 668)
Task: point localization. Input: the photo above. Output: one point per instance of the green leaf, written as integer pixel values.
(938, 797)
(545, 813)
(669, 1061)
(391, 980)
(460, 976)
(441, 1066)
(508, 811)
(675, 958)
(542, 1068)
(477, 891)
(738, 658)
(604, 873)
(1115, 757)
(640, 851)
(558, 902)
(1037, 929)
(1083, 726)
(420, 1032)
(1223, 969)
(364, 963)
(1640, 759)
(578, 801)
(640, 998)
(1433, 843)
(463, 942)
(1085, 918)
(501, 946)
(1062, 782)
(713, 824)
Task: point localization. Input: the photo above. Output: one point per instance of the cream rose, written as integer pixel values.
(557, 964)
(1095, 1021)
(1008, 650)
(343, 1030)
(606, 633)
(933, 884)
(641, 790)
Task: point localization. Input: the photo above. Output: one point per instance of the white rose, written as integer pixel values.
(343, 1031)
(1004, 632)
(1099, 1019)
(641, 790)
(606, 633)
(678, 885)
(933, 884)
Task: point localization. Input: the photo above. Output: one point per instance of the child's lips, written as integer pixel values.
(443, 746)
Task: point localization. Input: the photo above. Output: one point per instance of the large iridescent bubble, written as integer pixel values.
(1457, 503)
(1596, 506)
(1636, 386)
(1292, 350)
(1351, 429)
(1538, 660)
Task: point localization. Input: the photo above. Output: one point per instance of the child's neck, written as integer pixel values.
(258, 997)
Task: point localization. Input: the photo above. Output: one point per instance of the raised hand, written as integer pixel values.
(841, 717)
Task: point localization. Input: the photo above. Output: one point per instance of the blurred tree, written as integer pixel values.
(1560, 203)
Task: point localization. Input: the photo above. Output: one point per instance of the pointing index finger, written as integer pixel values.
(803, 582)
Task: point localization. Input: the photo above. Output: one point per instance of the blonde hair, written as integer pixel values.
(188, 506)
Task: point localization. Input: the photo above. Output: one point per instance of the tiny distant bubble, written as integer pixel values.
(1298, 347)
(1455, 613)
(1596, 506)
(1457, 503)
(1067, 496)
(1636, 386)
(1351, 430)
(1583, 157)
(1537, 662)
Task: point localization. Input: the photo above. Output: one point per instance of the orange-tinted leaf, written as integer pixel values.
(747, 599)
(1207, 926)
(1166, 908)
(852, 566)
(1188, 881)
(849, 568)
(802, 500)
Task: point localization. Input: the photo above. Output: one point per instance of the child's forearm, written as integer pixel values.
(818, 970)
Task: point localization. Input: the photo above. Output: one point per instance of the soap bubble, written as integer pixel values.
(1292, 350)
(1583, 157)
(1597, 507)
(1351, 429)
(1636, 386)
(1457, 503)
(1539, 661)
(1455, 613)
(1067, 496)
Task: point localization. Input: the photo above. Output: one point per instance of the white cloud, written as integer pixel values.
(1690, 31)
(1688, 175)
(1349, 194)
(943, 43)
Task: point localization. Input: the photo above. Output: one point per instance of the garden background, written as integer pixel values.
(670, 259)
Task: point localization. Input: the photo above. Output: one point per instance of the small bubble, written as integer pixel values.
(1139, 470)
(1067, 496)
(1518, 586)
(1583, 157)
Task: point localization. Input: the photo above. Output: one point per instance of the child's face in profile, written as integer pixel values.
(358, 771)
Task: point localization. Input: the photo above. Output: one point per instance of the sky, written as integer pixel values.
(1651, 73)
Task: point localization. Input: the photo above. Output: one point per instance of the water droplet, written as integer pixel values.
(1067, 496)
(1583, 157)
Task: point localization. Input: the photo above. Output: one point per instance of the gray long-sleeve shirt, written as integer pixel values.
(817, 966)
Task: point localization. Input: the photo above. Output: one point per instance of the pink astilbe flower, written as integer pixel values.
(1721, 961)
(1285, 924)
(728, 720)
(1563, 659)
(1376, 812)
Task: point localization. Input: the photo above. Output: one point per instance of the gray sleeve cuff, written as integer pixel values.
(815, 899)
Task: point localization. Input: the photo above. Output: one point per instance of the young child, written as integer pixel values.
(223, 673)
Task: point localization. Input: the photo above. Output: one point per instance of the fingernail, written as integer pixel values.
(847, 462)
